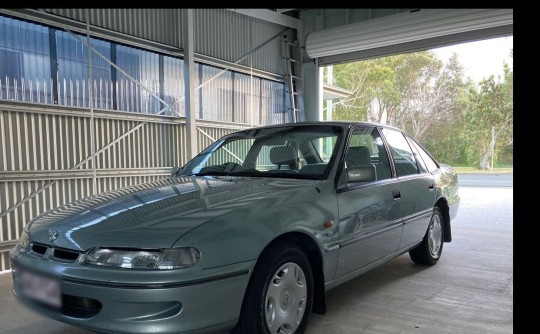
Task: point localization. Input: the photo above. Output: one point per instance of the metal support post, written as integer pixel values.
(91, 106)
(189, 82)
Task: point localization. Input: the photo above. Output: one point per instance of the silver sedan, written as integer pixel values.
(248, 236)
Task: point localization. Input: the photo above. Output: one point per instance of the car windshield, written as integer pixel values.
(302, 152)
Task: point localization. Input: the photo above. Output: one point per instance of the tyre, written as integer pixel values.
(279, 296)
(430, 249)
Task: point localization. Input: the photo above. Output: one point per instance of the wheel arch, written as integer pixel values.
(442, 204)
(313, 253)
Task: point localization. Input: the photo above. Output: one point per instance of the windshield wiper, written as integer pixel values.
(289, 175)
(247, 172)
(175, 171)
(210, 172)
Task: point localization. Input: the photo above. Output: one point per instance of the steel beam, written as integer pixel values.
(270, 16)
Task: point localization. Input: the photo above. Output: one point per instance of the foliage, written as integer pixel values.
(433, 102)
(489, 106)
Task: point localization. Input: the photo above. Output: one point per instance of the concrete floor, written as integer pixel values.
(470, 290)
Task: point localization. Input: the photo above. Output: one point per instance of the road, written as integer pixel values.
(486, 201)
(486, 180)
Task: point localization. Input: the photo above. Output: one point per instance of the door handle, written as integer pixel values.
(431, 187)
(396, 194)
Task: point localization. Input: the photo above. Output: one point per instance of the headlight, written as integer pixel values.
(144, 259)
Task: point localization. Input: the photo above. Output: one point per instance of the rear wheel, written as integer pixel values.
(430, 249)
(280, 294)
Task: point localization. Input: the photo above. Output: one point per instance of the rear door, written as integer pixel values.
(417, 187)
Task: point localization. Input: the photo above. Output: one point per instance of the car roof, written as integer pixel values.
(343, 124)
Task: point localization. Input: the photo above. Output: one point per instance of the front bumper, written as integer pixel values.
(189, 306)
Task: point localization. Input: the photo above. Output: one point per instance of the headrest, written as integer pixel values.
(358, 156)
(282, 155)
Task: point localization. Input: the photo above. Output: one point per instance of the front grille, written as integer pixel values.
(65, 255)
(59, 254)
(39, 249)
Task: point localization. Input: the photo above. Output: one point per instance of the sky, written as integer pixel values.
(482, 58)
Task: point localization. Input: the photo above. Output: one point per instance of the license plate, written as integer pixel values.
(43, 289)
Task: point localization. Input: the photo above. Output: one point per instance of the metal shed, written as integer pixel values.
(96, 99)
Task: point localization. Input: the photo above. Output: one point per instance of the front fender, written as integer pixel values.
(242, 234)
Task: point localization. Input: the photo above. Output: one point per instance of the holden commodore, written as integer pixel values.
(247, 236)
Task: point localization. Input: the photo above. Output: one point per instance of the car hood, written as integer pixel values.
(154, 214)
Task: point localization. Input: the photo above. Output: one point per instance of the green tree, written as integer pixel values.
(352, 76)
(376, 93)
(414, 90)
(431, 99)
(433, 102)
(490, 105)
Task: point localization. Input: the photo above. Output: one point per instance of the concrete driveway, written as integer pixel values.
(470, 290)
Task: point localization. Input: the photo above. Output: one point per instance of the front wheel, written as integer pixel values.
(430, 249)
(280, 294)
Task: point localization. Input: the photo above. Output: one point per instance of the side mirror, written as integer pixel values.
(361, 174)
(175, 171)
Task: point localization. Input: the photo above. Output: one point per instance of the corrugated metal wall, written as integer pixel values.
(157, 25)
(41, 143)
(223, 34)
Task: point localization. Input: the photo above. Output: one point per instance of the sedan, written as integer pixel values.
(246, 237)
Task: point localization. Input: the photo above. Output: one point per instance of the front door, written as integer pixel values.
(370, 224)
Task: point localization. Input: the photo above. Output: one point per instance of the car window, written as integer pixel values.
(295, 155)
(366, 147)
(431, 164)
(322, 147)
(282, 157)
(233, 151)
(402, 154)
(291, 152)
(419, 161)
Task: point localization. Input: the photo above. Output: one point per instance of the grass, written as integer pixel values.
(474, 170)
